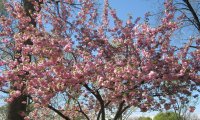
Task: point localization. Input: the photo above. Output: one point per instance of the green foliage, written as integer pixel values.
(144, 118)
(167, 116)
(2, 8)
(3, 112)
(3, 108)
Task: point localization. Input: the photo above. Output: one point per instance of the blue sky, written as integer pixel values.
(135, 8)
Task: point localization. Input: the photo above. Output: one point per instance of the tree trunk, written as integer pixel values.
(16, 108)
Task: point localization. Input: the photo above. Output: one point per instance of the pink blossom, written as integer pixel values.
(152, 75)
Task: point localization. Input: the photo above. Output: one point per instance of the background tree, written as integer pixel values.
(3, 112)
(192, 117)
(2, 8)
(174, 116)
(167, 116)
(184, 108)
(144, 118)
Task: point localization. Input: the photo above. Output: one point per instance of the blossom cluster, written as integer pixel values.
(73, 53)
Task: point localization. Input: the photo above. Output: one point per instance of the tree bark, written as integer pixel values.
(16, 108)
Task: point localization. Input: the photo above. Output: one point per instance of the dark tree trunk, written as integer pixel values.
(16, 108)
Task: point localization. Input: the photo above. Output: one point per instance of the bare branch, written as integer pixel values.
(58, 112)
(81, 111)
(191, 9)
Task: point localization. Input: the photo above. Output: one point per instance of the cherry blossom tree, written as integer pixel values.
(59, 49)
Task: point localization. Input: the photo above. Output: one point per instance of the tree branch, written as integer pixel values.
(58, 112)
(4, 91)
(81, 111)
(193, 13)
(125, 108)
(198, 47)
(119, 111)
(99, 114)
(99, 98)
